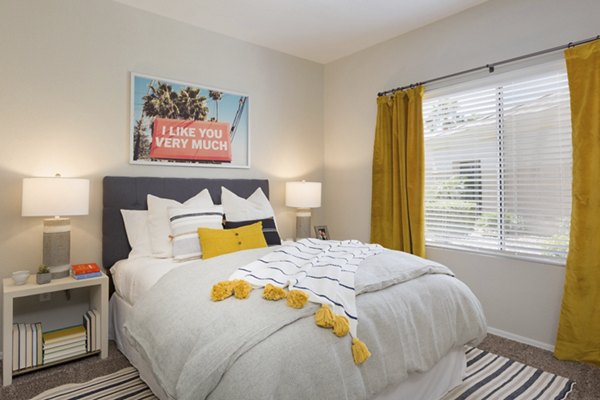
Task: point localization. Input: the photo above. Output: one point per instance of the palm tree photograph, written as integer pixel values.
(179, 123)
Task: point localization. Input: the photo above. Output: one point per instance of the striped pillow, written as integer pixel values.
(185, 222)
(268, 227)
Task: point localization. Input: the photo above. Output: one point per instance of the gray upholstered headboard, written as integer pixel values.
(123, 192)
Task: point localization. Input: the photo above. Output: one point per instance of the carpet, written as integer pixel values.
(488, 376)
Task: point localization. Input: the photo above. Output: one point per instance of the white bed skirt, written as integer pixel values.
(433, 384)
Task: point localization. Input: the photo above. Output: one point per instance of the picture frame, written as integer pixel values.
(321, 232)
(186, 124)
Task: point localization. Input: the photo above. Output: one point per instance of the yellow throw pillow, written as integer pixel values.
(215, 242)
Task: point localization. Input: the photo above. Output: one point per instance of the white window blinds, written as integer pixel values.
(498, 164)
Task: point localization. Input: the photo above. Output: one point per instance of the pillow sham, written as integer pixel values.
(184, 222)
(136, 228)
(268, 228)
(255, 207)
(216, 242)
(158, 220)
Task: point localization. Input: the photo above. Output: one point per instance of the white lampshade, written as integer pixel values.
(55, 197)
(303, 194)
(47, 197)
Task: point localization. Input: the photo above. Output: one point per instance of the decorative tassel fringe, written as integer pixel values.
(225, 289)
(221, 291)
(360, 352)
(324, 317)
(341, 326)
(241, 289)
(272, 292)
(296, 298)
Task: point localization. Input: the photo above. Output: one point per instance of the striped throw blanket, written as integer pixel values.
(323, 269)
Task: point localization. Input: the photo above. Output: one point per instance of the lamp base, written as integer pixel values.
(57, 246)
(60, 271)
(302, 224)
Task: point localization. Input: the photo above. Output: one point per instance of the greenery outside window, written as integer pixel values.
(498, 164)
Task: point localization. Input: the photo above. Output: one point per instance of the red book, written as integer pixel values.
(80, 269)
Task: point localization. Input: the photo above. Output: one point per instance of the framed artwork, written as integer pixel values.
(180, 123)
(321, 232)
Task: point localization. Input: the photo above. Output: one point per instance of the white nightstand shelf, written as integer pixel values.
(98, 292)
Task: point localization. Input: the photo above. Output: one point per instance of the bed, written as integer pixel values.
(422, 365)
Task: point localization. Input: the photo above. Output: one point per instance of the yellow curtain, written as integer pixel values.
(579, 327)
(398, 194)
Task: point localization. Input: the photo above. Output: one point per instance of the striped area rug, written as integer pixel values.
(123, 384)
(488, 376)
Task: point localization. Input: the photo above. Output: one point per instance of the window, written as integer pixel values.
(498, 164)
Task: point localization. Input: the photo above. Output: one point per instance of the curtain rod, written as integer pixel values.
(491, 67)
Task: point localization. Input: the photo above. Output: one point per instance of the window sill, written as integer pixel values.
(538, 260)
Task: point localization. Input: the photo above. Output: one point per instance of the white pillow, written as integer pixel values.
(185, 222)
(158, 220)
(257, 206)
(136, 227)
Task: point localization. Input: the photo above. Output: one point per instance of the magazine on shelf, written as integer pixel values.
(84, 269)
(63, 345)
(22, 345)
(15, 347)
(87, 276)
(27, 345)
(66, 353)
(91, 320)
(32, 339)
(87, 323)
(65, 334)
(39, 344)
(98, 334)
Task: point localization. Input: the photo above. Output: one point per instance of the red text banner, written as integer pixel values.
(175, 139)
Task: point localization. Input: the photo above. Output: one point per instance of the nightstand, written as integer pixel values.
(98, 299)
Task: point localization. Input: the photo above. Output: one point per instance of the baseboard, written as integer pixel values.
(521, 339)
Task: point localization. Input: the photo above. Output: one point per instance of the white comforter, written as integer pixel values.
(135, 276)
(412, 312)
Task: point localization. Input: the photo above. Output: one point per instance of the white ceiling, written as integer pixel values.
(317, 30)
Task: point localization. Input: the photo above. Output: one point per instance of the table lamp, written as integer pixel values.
(304, 196)
(57, 197)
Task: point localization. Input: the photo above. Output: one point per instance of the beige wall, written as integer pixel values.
(519, 297)
(64, 106)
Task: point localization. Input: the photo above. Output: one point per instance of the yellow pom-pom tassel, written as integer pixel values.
(272, 292)
(324, 317)
(341, 326)
(296, 298)
(241, 289)
(360, 352)
(221, 291)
